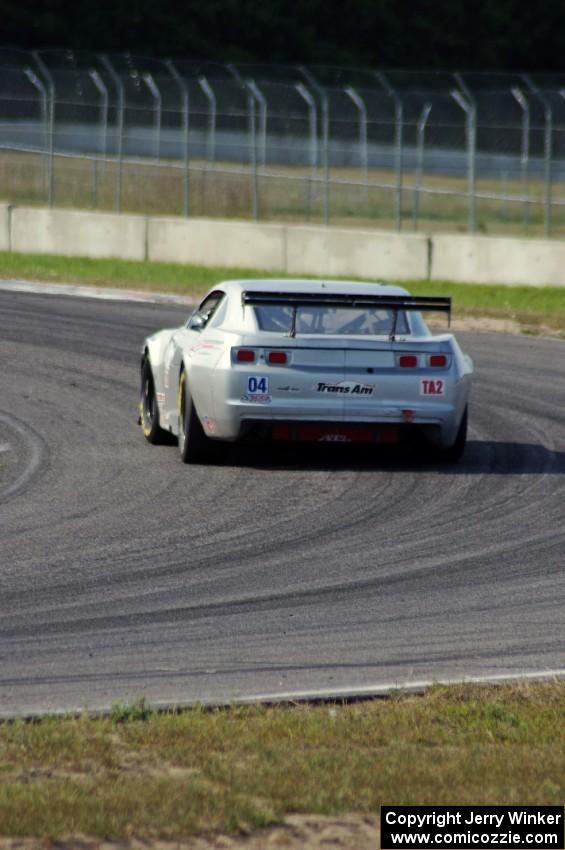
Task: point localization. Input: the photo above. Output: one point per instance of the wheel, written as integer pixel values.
(455, 452)
(194, 445)
(148, 407)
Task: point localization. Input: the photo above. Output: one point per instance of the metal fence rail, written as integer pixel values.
(388, 149)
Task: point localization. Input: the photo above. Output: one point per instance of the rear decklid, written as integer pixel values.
(328, 375)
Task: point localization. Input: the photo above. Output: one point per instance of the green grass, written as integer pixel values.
(534, 308)
(170, 775)
(145, 276)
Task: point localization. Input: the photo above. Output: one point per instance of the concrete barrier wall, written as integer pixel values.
(372, 254)
(210, 242)
(492, 259)
(294, 249)
(79, 234)
(290, 248)
(5, 212)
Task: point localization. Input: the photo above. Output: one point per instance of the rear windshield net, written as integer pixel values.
(338, 321)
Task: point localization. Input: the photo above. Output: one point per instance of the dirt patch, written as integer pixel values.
(485, 323)
(296, 832)
(478, 323)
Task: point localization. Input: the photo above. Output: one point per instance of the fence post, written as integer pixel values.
(398, 132)
(522, 101)
(313, 129)
(421, 130)
(119, 127)
(325, 137)
(253, 96)
(547, 151)
(253, 155)
(211, 145)
(470, 124)
(156, 95)
(471, 113)
(103, 92)
(51, 126)
(313, 123)
(363, 150)
(326, 155)
(185, 132)
(38, 85)
(262, 101)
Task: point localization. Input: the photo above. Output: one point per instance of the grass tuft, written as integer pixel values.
(131, 712)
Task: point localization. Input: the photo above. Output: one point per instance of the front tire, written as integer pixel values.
(194, 445)
(148, 407)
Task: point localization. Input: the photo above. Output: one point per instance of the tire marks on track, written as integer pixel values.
(31, 455)
(279, 570)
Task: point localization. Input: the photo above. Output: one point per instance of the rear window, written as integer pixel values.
(335, 321)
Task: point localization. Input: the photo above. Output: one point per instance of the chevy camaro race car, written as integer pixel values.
(306, 360)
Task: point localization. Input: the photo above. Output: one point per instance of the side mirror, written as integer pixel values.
(196, 322)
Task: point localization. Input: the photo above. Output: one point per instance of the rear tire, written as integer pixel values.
(455, 452)
(194, 445)
(148, 407)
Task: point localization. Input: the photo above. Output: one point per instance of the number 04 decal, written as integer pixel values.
(257, 384)
(432, 387)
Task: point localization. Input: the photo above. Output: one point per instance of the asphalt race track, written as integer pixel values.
(125, 573)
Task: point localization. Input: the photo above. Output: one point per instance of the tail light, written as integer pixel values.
(408, 361)
(245, 355)
(277, 358)
(437, 361)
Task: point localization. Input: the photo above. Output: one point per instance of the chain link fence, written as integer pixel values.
(401, 150)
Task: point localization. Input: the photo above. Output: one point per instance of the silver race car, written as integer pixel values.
(306, 360)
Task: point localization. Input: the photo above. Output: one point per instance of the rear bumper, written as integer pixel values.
(439, 421)
(389, 401)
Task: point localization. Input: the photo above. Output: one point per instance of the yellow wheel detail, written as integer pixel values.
(182, 380)
(194, 445)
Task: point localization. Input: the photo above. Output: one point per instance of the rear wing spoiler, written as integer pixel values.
(396, 303)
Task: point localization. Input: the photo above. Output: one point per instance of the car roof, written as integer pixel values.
(307, 285)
